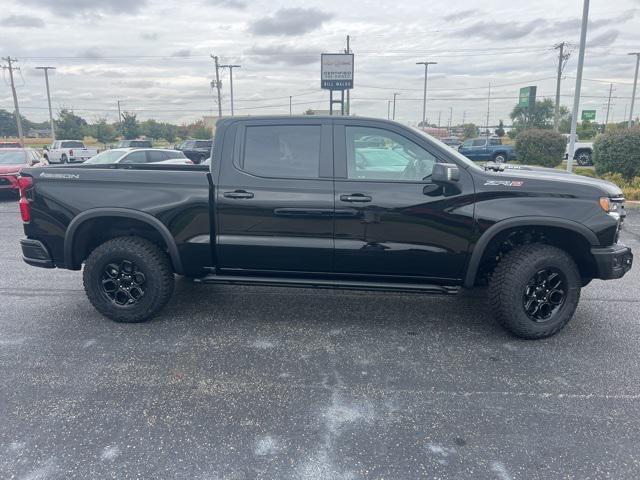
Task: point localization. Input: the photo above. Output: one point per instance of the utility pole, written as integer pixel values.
(231, 67)
(424, 97)
(15, 95)
(119, 113)
(388, 109)
(488, 106)
(562, 61)
(395, 94)
(46, 80)
(635, 85)
(290, 105)
(576, 98)
(218, 85)
(348, 110)
(606, 122)
(450, 118)
(439, 114)
(464, 116)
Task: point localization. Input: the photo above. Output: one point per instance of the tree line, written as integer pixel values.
(71, 126)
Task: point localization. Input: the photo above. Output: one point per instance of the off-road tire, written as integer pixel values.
(584, 158)
(509, 283)
(63, 158)
(149, 259)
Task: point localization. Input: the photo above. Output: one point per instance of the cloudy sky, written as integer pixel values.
(153, 55)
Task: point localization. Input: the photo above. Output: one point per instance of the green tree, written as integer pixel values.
(152, 129)
(129, 127)
(541, 116)
(102, 131)
(8, 126)
(200, 131)
(470, 130)
(169, 132)
(500, 130)
(618, 152)
(70, 126)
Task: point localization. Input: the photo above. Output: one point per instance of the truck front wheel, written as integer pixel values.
(128, 279)
(534, 290)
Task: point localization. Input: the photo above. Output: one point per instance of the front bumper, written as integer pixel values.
(612, 262)
(35, 253)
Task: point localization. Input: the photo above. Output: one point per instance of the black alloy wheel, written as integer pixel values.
(123, 283)
(544, 294)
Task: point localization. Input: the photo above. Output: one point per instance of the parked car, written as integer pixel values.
(453, 142)
(582, 151)
(68, 151)
(10, 145)
(12, 161)
(196, 150)
(487, 149)
(288, 203)
(139, 156)
(134, 144)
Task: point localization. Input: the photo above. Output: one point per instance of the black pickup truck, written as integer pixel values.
(328, 202)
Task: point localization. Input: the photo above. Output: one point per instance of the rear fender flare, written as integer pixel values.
(123, 213)
(484, 240)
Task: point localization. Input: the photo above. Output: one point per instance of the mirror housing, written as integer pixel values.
(445, 173)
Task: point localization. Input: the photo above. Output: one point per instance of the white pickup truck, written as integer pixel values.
(68, 151)
(582, 151)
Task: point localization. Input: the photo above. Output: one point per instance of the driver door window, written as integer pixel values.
(379, 155)
(135, 157)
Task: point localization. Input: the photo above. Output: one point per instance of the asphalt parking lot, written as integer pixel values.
(263, 383)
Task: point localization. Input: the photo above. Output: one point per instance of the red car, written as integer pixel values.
(12, 160)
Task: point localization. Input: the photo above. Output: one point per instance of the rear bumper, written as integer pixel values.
(35, 253)
(612, 262)
(8, 182)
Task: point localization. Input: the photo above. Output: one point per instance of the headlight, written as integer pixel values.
(610, 207)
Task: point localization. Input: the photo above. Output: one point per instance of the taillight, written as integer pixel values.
(71, 153)
(24, 184)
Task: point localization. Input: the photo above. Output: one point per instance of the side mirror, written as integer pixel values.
(445, 173)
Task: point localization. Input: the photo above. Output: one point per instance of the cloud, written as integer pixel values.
(604, 39)
(235, 4)
(185, 52)
(70, 8)
(461, 15)
(494, 30)
(283, 54)
(90, 52)
(149, 36)
(26, 21)
(291, 21)
(142, 84)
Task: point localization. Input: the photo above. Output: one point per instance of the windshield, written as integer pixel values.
(203, 144)
(14, 157)
(459, 157)
(109, 156)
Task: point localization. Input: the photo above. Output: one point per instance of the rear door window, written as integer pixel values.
(156, 156)
(282, 151)
(135, 157)
(72, 145)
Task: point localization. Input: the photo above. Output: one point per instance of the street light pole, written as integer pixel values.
(576, 98)
(635, 84)
(46, 81)
(424, 97)
(395, 94)
(231, 67)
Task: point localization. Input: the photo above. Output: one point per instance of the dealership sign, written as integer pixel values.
(527, 97)
(588, 115)
(336, 71)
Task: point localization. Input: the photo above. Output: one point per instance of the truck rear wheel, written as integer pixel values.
(500, 157)
(534, 290)
(128, 279)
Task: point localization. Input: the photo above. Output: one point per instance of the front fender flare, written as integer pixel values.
(488, 235)
(124, 213)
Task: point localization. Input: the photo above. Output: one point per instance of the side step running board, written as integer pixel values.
(322, 283)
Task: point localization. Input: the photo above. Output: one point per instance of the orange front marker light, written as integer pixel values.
(605, 204)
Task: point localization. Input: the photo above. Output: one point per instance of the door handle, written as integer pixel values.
(355, 197)
(238, 194)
